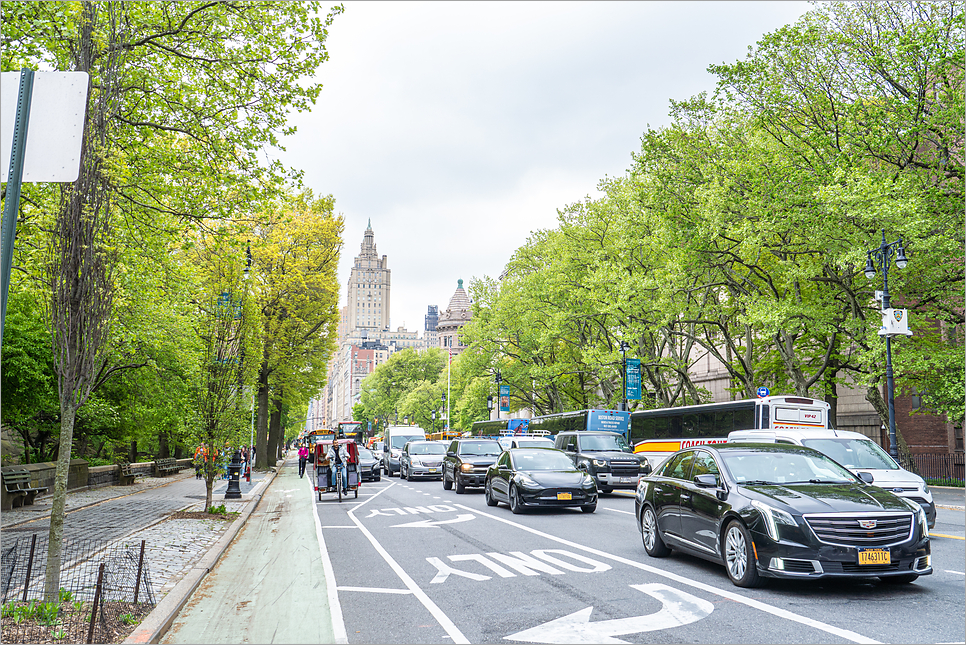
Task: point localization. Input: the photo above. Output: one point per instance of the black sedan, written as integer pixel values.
(533, 477)
(780, 511)
(370, 466)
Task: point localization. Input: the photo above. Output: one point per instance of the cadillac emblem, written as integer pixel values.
(867, 524)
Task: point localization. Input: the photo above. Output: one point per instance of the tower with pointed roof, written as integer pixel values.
(367, 299)
(456, 315)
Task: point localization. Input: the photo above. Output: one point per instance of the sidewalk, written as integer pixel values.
(269, 586)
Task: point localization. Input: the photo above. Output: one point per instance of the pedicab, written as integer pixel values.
(323, 471)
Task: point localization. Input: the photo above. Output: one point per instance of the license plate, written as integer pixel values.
(628, 480)
(432, 470)
(875, 556)
(564, 496)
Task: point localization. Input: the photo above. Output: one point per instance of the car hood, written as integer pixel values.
(555, 478)
(613, 454)
(478, 460)
(828, 498)
(890, 478)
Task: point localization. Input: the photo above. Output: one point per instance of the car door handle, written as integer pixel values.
(685, 496)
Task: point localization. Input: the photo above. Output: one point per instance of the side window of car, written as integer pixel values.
(670, 465)
(682, 467)
(504, 459)
(704, 464)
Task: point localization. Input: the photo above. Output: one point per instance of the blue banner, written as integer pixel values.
(504, 398)
(610, 420)
(633, 379)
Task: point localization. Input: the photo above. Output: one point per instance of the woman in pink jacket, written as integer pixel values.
(303, 457)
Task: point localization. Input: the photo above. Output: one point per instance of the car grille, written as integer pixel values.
(798, 566)
(550, 494)
(430, 464)
(625, 468)
(845, 530)
(852, 567)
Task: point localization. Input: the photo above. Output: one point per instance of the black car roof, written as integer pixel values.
(756, 447)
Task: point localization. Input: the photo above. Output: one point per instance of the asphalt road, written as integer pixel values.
(413, 563)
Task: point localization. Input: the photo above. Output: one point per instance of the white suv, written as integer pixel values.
(856, 452)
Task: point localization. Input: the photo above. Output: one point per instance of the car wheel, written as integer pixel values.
(460, 488)
(740, 556)
(488, 494)
(900, 580)
(653, 543)
(589, 508)
(447, 484)
(516, 506)
(377, 478)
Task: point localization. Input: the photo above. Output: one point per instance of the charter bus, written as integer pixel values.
(609, 420)
(659, 433)
(500, 427)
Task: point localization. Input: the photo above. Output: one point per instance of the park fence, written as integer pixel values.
(105, 590)
(940, 466)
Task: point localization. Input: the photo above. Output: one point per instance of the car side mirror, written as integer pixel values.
(647, 469)
(866, 477)
(706, 481)
(450, 453)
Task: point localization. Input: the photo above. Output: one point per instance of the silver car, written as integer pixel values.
(422, 459)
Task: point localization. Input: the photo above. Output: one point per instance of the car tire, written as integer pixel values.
(447, 484)
(651, 535)
(900, 580)
(515, 505)
(488, 494)
(460, 488)
(739, 555)
(589, 508)
(377, 478)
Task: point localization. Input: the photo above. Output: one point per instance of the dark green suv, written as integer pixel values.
(466, 462)
(606, 457)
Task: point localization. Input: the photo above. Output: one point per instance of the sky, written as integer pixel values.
(459, 128)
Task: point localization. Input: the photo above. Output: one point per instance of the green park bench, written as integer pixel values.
(17, 485)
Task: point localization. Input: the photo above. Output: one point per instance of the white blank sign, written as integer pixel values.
(55, 129)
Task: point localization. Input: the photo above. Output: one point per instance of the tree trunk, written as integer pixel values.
(55, 535)
(261, 425)
(163, 451)
(832, 396)
(274, 430)
(132, 455)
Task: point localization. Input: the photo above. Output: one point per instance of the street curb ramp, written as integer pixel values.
(155, 624)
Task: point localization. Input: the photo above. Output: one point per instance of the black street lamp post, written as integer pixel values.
(883, 255)
(498, 379)
(624, 347)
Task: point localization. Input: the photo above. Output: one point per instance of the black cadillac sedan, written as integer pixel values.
(780, 511)
(533, 477)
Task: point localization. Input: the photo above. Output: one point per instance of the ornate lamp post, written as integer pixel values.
(883, 255)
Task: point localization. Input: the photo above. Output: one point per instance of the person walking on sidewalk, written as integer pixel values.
(303, 457)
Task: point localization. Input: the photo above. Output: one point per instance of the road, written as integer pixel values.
(413, 563)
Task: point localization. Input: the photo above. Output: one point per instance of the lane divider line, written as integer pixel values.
(444, 621)
(335, 609)
(404, 592)
(756, 604)
(954, 537)
(958, 573)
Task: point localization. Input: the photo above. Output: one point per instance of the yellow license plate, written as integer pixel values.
(875, 556)
(564, 496)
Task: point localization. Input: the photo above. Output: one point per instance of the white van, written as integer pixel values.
(856, 452)
(395, 437)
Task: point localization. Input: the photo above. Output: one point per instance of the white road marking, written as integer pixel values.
(756, 604)
(430, 524)
(335, 609)
(333, 526)
(617, 510)
(958, 573)
(678, 608)
(448, 625)
(405, 592)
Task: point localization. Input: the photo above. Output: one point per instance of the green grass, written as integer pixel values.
(956, 483)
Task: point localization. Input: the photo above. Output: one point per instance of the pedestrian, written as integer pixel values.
(199, 460)
(303, 458)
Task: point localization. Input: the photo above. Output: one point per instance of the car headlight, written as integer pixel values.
(526, 480)
(925, 488)
(588, 479)
(467, 468)
(600, 463)
(923, 522)
(773, 517)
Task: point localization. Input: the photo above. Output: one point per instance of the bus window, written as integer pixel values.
(765, 423)
(743, 419)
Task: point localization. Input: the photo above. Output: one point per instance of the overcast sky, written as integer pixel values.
(458, 128)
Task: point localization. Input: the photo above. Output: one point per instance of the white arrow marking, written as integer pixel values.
(679, 608)
(428, 524)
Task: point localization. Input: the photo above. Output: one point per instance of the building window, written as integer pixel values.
(918, 397)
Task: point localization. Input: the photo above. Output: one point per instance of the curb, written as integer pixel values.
(155, 624)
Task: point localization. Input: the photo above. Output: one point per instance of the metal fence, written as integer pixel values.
(105, 590)
(945, 466)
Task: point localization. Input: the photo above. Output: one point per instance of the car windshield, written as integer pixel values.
(854, 453)
(400, 440)
(603, 442)
(427, 449)
(365, 453)
(541, 460)
(772, 467)
(481, 448)
(535, 443)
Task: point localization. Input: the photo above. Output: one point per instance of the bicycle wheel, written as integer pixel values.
(338, 484)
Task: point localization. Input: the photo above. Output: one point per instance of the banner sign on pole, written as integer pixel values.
(633, 379)
(504, 398)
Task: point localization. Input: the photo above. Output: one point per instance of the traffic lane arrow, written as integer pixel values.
(429, 524)
(679, 608)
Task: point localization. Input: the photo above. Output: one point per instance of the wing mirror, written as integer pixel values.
(706, 481)
(647, 468)
(866, 477)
